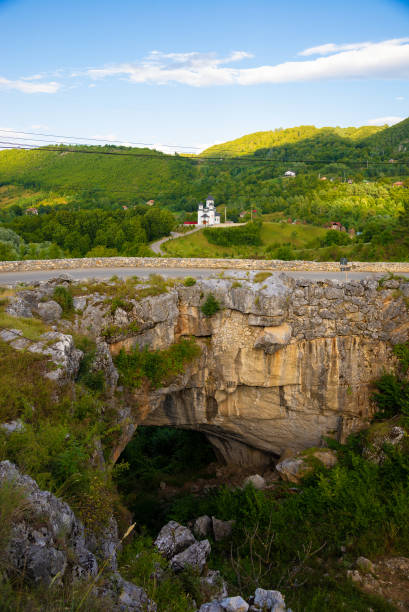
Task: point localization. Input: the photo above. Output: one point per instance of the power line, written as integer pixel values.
(198, 160)
(146, 144)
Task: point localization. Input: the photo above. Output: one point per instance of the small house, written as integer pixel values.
(150, 202)
(289, 173)
(31, 211)
(398, 184)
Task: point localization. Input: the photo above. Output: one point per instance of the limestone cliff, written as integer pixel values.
(284, 362)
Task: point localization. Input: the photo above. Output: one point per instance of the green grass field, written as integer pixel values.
(272, 234)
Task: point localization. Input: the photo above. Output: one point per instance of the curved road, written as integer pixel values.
(12, 278)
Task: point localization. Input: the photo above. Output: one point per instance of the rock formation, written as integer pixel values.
(283, 363)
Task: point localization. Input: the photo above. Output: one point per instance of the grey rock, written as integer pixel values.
(19, 307)
(61, 350)
(269, 600)
(103, 362)
(129, 597)
(365, 564)
(79, 302)
(212, 586)
(378, 436)
(9, 335)
(40, 552)
(12, 426)
(202, 526)
(194, 556)
(173, 538)
(211, 607)
(234, 604)
(222, 529)
(49, 311)
(256, 481)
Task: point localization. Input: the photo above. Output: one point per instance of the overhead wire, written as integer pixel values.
(201, 160)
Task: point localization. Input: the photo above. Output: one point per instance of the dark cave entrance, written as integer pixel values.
(157, 470)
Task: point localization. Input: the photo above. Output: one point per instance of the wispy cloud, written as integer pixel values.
(30, 85)
(390, 120)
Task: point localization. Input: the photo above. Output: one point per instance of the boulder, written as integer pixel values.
(202, 527)
(19, 307)
(379, 435)
(42, 535)
(212, 586)
(194, 556)
(213, 606)
(221, 529)
(273, 338)
(49, 311)
(173, 538)
(61, 350)
(234, 604)
(268, 600)
(295, 468)
(256, 481)
(103, 362)
(365, 565)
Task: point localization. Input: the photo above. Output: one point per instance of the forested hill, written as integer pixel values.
(276, 138)
(110, 177)
(93, 172)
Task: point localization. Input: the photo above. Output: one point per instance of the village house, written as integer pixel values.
(150, 202)
(336, 225)
(289, 173)
(32, 211)
(207, 214)
(398, 184)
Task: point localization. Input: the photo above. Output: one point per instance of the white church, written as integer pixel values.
(207, 214)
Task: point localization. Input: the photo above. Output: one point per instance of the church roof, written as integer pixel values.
(210, 197)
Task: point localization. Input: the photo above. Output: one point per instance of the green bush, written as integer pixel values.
(248, 234)
(157, 367)
(210, 306)
(64, 298)
(189, 281)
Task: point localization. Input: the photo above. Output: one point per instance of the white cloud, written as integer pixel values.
(388, 59)
(400, 98)
(390, 120)
(27, 86)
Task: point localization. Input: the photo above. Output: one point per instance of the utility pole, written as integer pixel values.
(251, 214)
(225, 214)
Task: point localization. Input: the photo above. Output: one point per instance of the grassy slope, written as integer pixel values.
(260, 140)
(196, 245)
(118, 176)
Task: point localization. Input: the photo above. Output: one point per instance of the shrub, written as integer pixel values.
(189, 281)
(248, 234)
(210, 306)
(64, 298)
(157, 367)
(261, 276)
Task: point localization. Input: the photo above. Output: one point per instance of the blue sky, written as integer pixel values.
(195, 73)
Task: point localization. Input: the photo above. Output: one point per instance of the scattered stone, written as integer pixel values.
(211, 607)
(234, 604)
(221, 529)
(268, 600)
(212, 586)
(295, 468)
(256, 481)
(202, 527)
(194, 556)
(377, 436)
(12, 426)
(49, 311)
(103, 363)
(365, 564)
(173, 538)
(19, 307)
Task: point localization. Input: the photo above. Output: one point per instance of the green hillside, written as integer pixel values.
(125, 174)
(275, 138)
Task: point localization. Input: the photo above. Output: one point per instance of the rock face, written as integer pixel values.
(47, 545)
(283, 362)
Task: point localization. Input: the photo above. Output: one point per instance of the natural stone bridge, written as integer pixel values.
(284, 363)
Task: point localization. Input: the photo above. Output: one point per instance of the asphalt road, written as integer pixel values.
(12, 278)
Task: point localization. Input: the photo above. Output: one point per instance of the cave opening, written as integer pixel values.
(158, 469)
